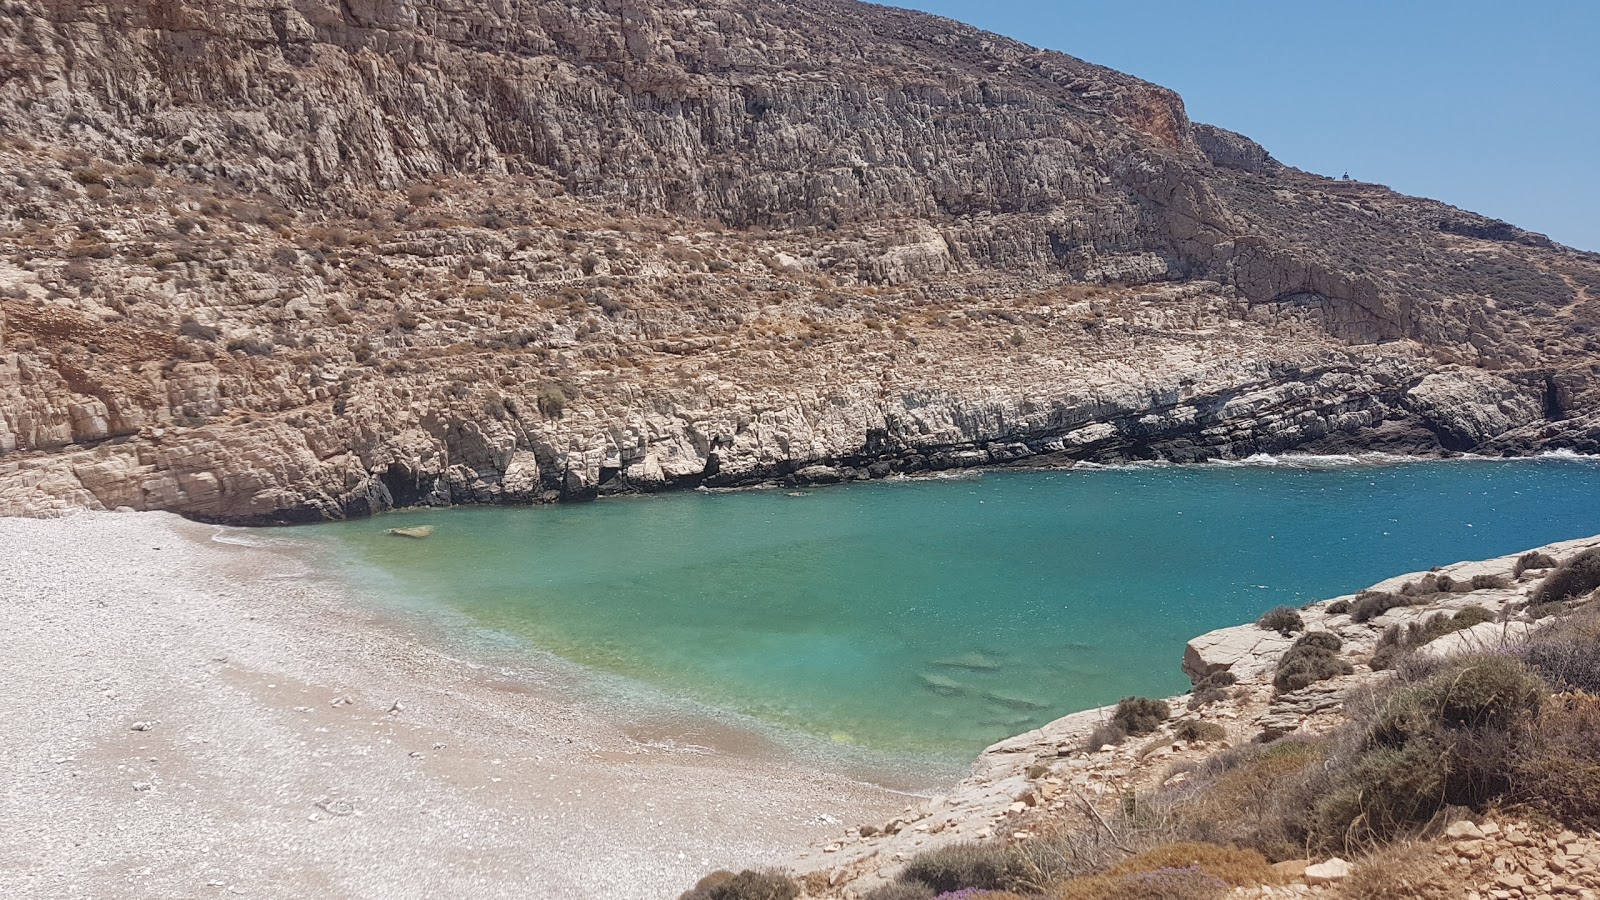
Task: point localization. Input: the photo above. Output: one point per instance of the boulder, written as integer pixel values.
(1330, 872)
(1245, 650)
(1485, 637)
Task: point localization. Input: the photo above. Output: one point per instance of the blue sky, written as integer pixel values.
(1494, 107)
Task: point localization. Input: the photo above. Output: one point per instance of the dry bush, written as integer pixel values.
(1566, 653)
(1559, 771)
(1255, 797)
(746, 885)
(1231, 865)
(1285, 620)
(900, 891)
(1437, 736)
(1397, 642)
(1312, 658)
(1369, 605)
(1196, 731)
(1140, 715)
(991, 867)
(1212, 688)
(1160, 884)
(1573, 578)
(1107, 734)
(1533, 559)
(1401, 871)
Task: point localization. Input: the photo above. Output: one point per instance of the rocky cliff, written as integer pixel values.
(298, 260)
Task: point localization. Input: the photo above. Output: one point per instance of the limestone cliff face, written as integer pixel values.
(295, 260)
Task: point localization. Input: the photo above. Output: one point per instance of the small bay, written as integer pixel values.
(933, 617)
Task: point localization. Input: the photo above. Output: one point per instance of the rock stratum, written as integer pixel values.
(300, 260)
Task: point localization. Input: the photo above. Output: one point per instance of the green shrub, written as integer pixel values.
(1285, 620)
(1312, 658)
(1141, 715)
(1533, 559)
(1451, 738)
(1469, 616)
(1338, 607)
(746, 885)
(1573, 578)
(991, 867)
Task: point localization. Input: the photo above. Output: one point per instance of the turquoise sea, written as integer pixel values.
(933, 617)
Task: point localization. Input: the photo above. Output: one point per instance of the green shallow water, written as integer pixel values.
(935, 617)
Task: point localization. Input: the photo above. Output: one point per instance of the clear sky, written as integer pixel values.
(1490, 106)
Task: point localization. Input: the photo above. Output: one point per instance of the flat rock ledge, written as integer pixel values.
(1048, 774)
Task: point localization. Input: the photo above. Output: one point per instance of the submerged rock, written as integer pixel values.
(1011, 701)
(974, 661)
(941, 685)
(414, 531)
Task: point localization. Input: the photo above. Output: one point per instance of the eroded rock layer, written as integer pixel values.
(297, 260)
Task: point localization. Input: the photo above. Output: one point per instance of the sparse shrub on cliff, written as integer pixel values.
(1285, 620)
(900, 890)
(1197, 731)
(1312, 658)
(1141, 715)
(990, 867)
(1110, 734)
(1426, 586)
(1559, 770)
(1188, 883)
(1212, 688)
(1396, 641)
(1573, 578)
(1566, 653)
(552, 401)
(746, 885)
(1338, 607)
(1449, 738)
(1369, 605)
(1533, 559)
(1256, 796)
(1233, 866)
(1488, 582)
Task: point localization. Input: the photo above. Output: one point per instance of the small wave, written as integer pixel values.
(1566, 453)
(236, 537)
(1371, 459)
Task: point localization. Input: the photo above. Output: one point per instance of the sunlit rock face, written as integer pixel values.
(292, 261)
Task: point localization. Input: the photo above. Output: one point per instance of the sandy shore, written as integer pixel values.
(191, 718)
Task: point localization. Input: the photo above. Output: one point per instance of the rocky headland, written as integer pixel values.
(1056, 776)
(300, 260)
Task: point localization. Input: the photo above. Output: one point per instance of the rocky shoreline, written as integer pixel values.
(1049, 776)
